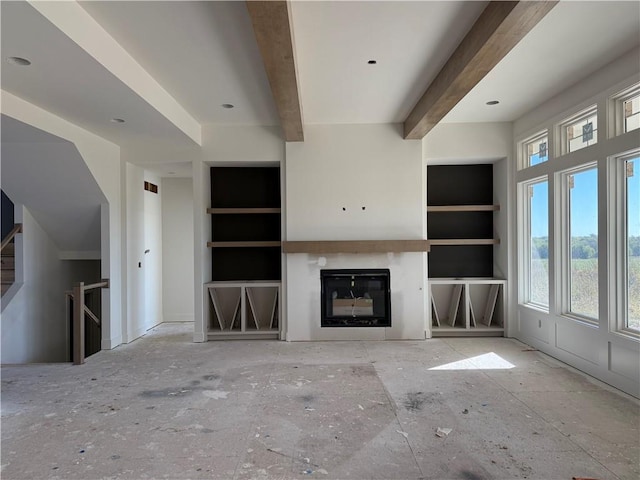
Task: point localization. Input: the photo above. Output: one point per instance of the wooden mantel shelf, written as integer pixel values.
(355, 246)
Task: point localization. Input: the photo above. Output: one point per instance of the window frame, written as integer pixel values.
(523, 149)
(616, 109)
(618, 234)
(525, 244)
(562, 127)
(563, 242)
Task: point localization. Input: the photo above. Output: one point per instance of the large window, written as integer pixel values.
(632, 240)
(571, 184)
(536, 267)
(581, 242)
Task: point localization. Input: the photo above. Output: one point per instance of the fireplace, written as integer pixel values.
(355, 298)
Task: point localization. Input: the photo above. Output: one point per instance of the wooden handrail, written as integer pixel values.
(91, 286)
(79, 312)
(6, 240)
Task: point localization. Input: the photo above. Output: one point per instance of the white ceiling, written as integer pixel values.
(68, 82)
(572, 41)
(204, 54)
(411, 41)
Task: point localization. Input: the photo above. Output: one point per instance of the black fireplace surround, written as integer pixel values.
(355, 298)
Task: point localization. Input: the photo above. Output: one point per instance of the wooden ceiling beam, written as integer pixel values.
(498, 29)
(272, 27)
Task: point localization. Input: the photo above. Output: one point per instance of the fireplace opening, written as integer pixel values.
(355, 298)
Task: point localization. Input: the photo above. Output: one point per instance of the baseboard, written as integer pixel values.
(178, 318)
(137, 334)
(111, 343)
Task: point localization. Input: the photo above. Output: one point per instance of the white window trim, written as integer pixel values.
(617, 232)
(523, 155)
(524, 244)
(563, 243)
(563, 148)
(616, 109)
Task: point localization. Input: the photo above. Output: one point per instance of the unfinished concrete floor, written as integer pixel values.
(163, 407)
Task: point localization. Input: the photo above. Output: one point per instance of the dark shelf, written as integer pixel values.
(245, 223)
(460, 220)
(231, 227)
(460, 185)
(246, 264)
(460, 225)
(245, 187)
(453, 261)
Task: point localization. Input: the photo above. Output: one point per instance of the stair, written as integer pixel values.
(8, 267)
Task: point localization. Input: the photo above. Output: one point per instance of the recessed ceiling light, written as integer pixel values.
(22, 62)
(227, 105)
(493, 102)
(117, 120)
(372, 62)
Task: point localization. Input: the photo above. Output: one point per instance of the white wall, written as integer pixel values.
(468, 142)
(103, 159)
(177, 249)
(350, 167)
(35, 328)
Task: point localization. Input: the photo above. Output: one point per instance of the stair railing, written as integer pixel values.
(7, 240)
(79, 312)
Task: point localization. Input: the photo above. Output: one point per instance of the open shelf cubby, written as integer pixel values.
(467, 306)
(241, 309)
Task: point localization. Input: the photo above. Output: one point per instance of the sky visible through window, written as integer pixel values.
(587, 223)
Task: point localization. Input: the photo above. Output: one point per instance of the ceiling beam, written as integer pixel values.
(272, 27)
(498, 29)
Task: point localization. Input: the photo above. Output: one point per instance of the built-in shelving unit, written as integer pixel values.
(242, 299)
(462, 307)
(243, 309)
(465, 299)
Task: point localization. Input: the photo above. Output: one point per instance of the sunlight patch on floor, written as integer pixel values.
(487, 361)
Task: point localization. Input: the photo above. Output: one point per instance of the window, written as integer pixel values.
(536, 243)
(536, 150)
(580, 252)
(580, 131)
(631, 169)
(625, 108)
(631, 109)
